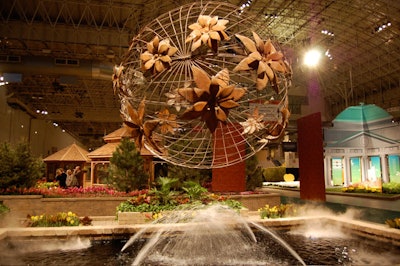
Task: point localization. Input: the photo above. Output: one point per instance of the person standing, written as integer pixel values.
(61, 177)
(71, 179)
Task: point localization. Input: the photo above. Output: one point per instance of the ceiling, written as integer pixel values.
(64, 52)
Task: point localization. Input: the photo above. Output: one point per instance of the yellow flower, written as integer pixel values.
(71, 222)
(207, 30)
(70, 214)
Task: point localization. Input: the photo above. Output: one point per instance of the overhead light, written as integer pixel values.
(312, 57)
(383, 26)
(327, 32)
(328, 54)
(2, 82)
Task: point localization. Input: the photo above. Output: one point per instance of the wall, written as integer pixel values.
(21, 206)
(17, 126)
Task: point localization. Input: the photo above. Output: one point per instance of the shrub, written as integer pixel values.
(280, 211)
(254, 175)
(126, 172)
(274, 174)
(391, 188)
(3, 209)
(18, 168)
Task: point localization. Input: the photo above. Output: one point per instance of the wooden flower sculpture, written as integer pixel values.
(167, 121)
(141, 131)
(212, 98)
(275, 130)
(253, 123)
(207, 30)
(264, 59)
(116, 77)
(157, 58)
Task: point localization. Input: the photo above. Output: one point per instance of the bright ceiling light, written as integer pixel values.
(312, 57)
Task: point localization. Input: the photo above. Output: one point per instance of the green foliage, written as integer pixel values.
(274, 174)
(18, 168)
(164, 197)
(165, 190)
(3, 209)
(391, 188)
(393, 223)
(126, 172)
(194, 190)
(280, 211)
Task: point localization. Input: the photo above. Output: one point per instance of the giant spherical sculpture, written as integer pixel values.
(204, 86)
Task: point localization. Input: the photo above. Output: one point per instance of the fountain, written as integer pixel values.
(208, 235)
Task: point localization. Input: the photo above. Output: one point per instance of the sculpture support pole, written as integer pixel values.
(311, 158)
(228, 148)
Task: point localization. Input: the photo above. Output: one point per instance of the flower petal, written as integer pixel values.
(247, 42)
(214, 35)
(199, 106)
(259, 42)
(188, 94)
(220, 114)
(172, 50)
(201, 79)
(228, 104)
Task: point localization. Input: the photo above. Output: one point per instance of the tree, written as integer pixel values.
(126, 172)
(18, 168)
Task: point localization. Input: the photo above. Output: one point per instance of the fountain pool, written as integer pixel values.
(208, 237)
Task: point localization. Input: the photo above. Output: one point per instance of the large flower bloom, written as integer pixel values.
(207, 30)
(212, 99)
(253, 123)
(167, 121)
(157, 58)
(265, 59)
(140, 130)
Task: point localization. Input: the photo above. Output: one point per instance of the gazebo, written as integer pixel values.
(68, 158)
(100, 158)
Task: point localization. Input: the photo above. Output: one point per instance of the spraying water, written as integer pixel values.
(212, 235)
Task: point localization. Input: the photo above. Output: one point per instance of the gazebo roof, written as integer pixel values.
(118, 134)
(72, 153)
(104, 151)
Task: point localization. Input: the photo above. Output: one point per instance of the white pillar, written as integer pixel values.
(328, 172)
(346, 170)
(364, 168)
(384, 165)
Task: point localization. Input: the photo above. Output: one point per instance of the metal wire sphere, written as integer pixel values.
(192, 143)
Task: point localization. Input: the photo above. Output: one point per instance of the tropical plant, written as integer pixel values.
(126, 171)
(164, 191)
(194, 190)
(18, 167)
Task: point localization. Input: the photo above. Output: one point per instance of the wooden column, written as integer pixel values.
(311, 158)
(229, 147)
